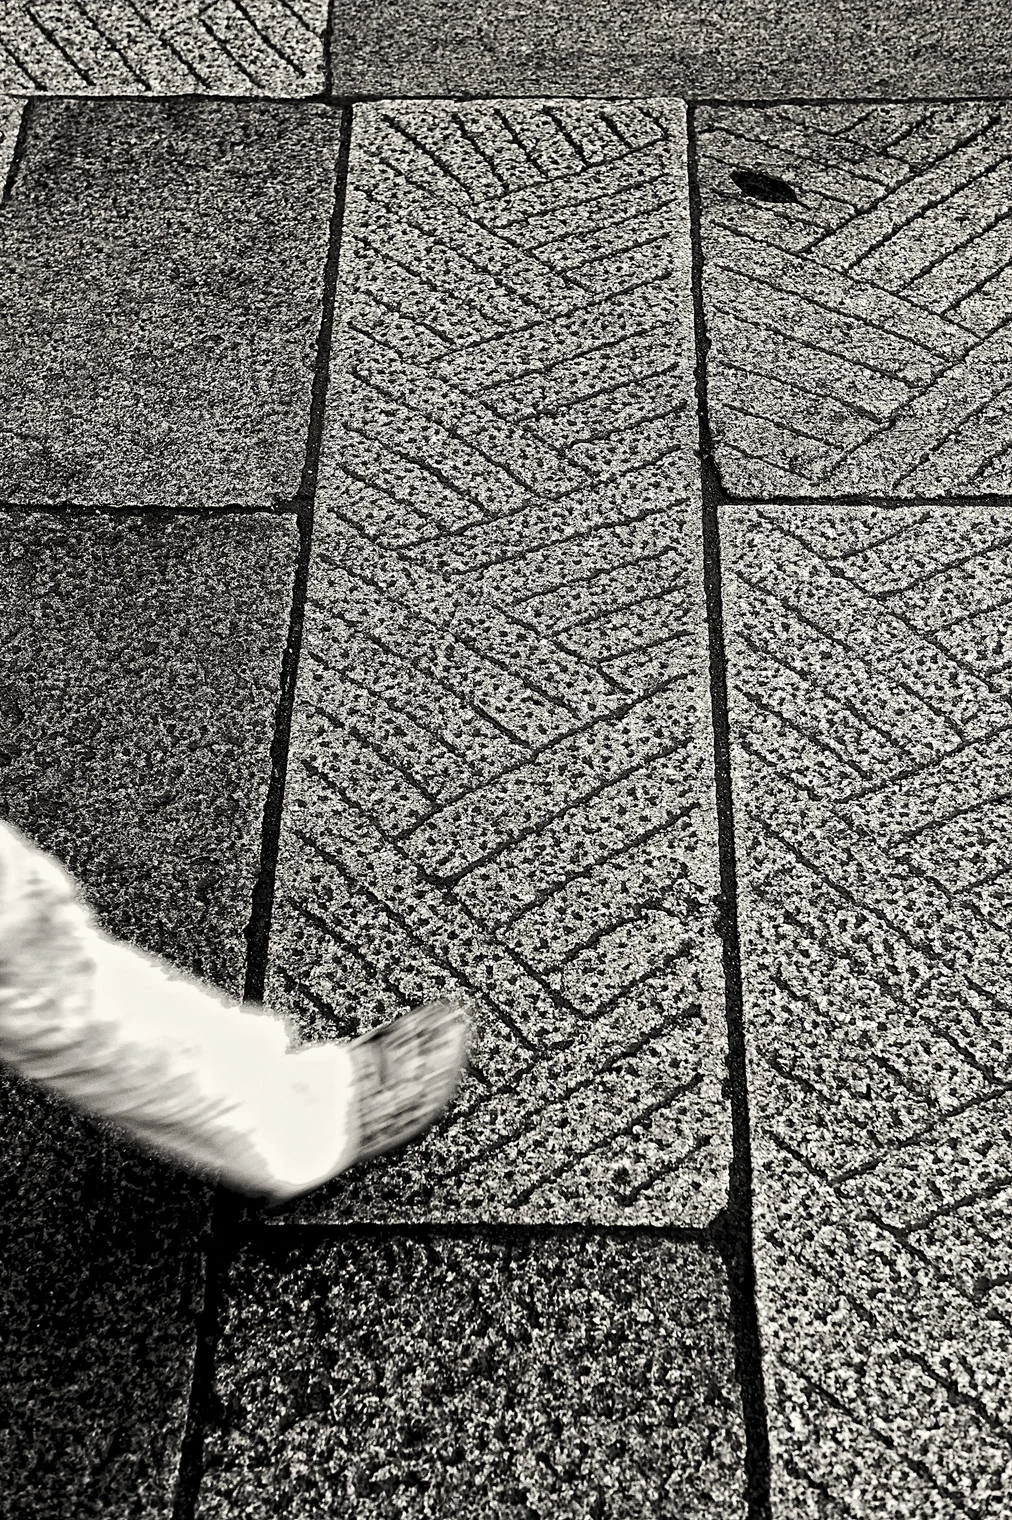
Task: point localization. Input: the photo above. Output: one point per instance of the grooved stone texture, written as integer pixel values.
(858, 297)
(141, 674)
(739, 48)
(500, 779)
(169, 47)
(177, 250)
(871, 707)
(565, 1378)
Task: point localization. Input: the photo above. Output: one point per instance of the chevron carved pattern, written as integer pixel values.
(858, 291)
(870, 671)
(115, 47)
(500, 779)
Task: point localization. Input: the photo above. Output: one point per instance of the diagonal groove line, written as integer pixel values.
(166, 43)
(777, 421)
(889, 1148)
(793, 384)
(510, 842)
(752, 137)
(933, 824)
(537, 752)
(112, 45)
(267, 41)
(922, 211)
(979, 285)
(563, 208)
(660, 1173)
(55, 42)
(736, 1240)
(806, 676)
(480, 652)
(794, 256)
(400, 715)
(18, 64)
(585, 871)
(917, 172)
(924, 634)
(223, 47)
(521, 251)
(938, 443)
(603, 1142)
(444, 962)
(950, 251)
(831, 637)
(836, 311)
(460, 1168)
(843, 893)
(818, 348)
(559, 1001)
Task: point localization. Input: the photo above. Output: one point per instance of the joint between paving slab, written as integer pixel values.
(262, 1227)
(228, 1208)
(20, 144)
(732, 1230)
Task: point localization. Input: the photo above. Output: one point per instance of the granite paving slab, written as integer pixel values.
(858, 296)
(870, 686)
(500, 780)
(580, 1377)
(741, 49)
(169, 47)
(177, 250)
(141, 674)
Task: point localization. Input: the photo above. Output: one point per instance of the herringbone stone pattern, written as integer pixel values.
(858, 297)
(566, 1377)
(166, 47)
(500, 779)
(870, 677)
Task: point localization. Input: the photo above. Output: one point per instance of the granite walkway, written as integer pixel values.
(554, 549)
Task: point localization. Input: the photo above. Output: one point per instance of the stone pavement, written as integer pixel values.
(553, 549)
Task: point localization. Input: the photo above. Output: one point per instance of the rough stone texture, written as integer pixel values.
(176, 249)
(563, 1378)
(859, 329)
(126, 47)
(11, 112)
(141, 675)
(500, 780)
(871, 687)
(743, 49)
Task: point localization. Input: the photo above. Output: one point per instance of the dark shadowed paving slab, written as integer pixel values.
(564, 1378)
(870, 673)
(858, 297)
(137, 704)
(177, 250)
(739, 48)
(170, 47)
(500, 780)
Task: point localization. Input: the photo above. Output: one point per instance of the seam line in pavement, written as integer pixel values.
(228, 1209)
(733, 1233)
(342, 101)
(20, 144)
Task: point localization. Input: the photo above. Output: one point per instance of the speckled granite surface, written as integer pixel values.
(140, 680)
(515, 1378)
(743, 49)
(177, 250)
(165, 47)
(500, 779)
(870, 712)
(858, 294)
